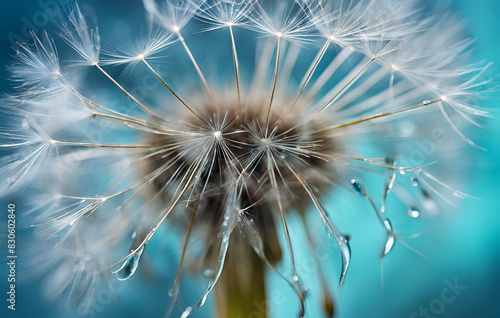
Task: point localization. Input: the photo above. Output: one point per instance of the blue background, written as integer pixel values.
(464, 246)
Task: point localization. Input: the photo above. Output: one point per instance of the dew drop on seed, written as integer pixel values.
(129, 266)
(187, 312)
(389, 183)
(32, 226)
(342, 240)
(426, 102)
(295, 278)
(170, 292)
(208, 272)
(388, 245)
(345, 250)
(414, 181)
(134, 234)
(357, 187)
(413, 212)
(388, 225)
(389, 240)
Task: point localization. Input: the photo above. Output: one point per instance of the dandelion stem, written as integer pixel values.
(198, 70)
(274, 85)
(141, 105)
(357, 121)
(176, 96)
(236, 66)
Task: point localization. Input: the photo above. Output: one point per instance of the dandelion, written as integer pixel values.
(307, 98)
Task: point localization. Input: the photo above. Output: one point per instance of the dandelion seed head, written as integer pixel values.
(227, 155)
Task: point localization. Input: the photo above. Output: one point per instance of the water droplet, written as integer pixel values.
(401, 171)
(413, 212)
(130, 265)
(229, 219)
(134, 234)
(345, 250)
(357, 187)
(389, 183)
(388, 225)
(295, 278)
(389, 240)
(25, 124)
(88, 257)
(32, 226)
(388, 245)
(208, 272)
(414, 181)
(170, 292)
(426, 102)
(187, 312)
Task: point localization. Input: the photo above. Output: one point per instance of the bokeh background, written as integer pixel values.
(462, 246)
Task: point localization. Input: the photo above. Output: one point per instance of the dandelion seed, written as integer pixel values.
(228, 151)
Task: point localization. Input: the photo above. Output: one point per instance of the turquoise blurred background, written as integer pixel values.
(463, 247)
